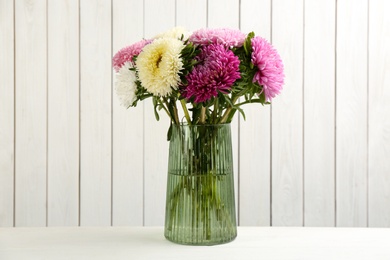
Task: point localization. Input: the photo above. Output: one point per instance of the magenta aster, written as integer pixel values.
(217, 71)
(270, 67)
(127, 54)
(224, 36)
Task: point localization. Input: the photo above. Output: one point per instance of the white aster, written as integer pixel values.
(159, 65)
(125, 84)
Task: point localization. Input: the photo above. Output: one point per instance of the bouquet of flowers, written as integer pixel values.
(204, 72)
(205, 76)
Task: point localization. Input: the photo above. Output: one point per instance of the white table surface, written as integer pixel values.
(149, 243)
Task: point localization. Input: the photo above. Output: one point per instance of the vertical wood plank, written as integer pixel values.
(30, 112)
(6, 113)
(351, 113)
(190, 14)
(287, 117)
(95, 104)
(255, 134)
(229, 18)
(63, 113)
(379, 114)
(127, 126)
(159, 16)
(319, 109)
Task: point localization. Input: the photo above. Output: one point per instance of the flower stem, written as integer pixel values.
(228, 110)
(176, 115)
(164, 107)
(186, 114)
(202, 118)
(172, 113)
(214, 115)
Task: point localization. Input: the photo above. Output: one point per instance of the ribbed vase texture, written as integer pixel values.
(200, 208)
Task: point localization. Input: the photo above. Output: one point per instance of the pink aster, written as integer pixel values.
(127, 54)
(224, 36)
(270, 67)
(217, 72)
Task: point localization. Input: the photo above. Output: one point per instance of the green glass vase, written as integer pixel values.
(200, 207)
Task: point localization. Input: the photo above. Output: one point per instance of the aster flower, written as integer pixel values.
(217, 72)
(125, 84)
(209, 74)
(224, 36)
(270, 67)
(176, 33)
(127, 54)
(159, 65)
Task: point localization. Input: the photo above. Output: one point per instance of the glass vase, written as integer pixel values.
(200, 207)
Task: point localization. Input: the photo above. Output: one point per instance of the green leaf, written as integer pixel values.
(155, 104)
(248, 43)
(169, 134)
(241, 112)
(228, 100)
(262, 98)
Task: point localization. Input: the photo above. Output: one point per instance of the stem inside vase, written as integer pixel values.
(200, 207)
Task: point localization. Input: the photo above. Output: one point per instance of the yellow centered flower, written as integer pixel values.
(159, 65)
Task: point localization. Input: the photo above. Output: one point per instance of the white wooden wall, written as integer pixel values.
(71, 155)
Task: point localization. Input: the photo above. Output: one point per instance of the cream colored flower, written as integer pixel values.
(125, 84)
(175, 33)
(159, 65)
